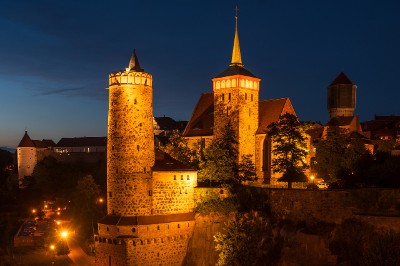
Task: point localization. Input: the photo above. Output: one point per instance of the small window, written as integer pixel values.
(229, 97)
(223, 97)
(108, 229)
(245, 96)
(133, 230)
(174, 177)
(179, 226)
(110, 194)
(134, 101)
(181, 177)
(188, 178)
(137, 147)
(117, 229)
(251, 97)
(158, 227)
(150, 193)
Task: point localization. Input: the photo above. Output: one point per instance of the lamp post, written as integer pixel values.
(312, 178)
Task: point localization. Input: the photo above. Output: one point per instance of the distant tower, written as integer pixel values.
(341, 97)
(130, 146)
(27, 158)
(236, 93)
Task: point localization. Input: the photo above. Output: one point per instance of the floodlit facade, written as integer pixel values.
(150, 202)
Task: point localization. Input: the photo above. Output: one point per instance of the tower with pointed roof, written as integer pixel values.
(27, 157)
(236, 93)
(130, 140)
(29, 152)
(341, 97)
(150, 201)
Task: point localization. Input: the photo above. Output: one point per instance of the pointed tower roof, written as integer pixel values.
(134, 63)
(236, 55)
(26, 141)
(341, 79)
(236, 66)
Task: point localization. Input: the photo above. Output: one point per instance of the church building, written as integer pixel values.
(235, 98)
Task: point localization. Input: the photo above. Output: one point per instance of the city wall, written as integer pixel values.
(379, 207)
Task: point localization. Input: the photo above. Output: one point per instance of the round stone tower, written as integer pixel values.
(130, 145)
(341, 97)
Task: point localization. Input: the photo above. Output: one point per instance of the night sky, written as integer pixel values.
(55, 57)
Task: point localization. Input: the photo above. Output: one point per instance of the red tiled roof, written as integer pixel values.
(82, 142)
(341, 79)
(202, 121)
(269, 112)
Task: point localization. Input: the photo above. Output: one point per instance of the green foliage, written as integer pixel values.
(246, 170)
(221, 161)
(248, 239)
(56, 178)
(337, 158)
(220, 158)
(289, 148)
(86, 207)
(213, 203)
(357, 243)
(179, 149)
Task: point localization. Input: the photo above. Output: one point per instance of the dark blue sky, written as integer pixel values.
(55, 56)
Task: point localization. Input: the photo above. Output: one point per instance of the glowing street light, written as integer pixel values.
(64, 234)
(312, 178)
(33, 211)
(101, 200)
(52, 247)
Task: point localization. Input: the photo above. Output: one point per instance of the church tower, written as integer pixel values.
(130, 145)
(236, 93)
(341, 97)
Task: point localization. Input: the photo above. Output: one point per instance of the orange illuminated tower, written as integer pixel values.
(130, 146)
(150, 202)
(236, 93)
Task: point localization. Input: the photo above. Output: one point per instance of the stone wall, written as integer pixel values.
(172, 192)
(153, 244)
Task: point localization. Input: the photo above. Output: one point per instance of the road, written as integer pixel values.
(77, 255)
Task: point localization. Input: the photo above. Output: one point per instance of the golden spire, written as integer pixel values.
(236, 56)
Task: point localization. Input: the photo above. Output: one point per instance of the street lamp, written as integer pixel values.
(64, 234)
(312, 178)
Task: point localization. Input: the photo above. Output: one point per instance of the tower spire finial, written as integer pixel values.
(236, 55)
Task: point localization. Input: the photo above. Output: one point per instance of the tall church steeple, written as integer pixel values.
(236, 55)
(236, 93)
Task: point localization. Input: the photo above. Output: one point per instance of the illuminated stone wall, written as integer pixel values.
(27, 160)
(154, 244)
(130, 143)
(173, 192)
(150, 219)
(240, 106)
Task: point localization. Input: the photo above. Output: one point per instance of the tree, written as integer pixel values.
(86, 209)
(220, 162)
(338, 156)
(178, 148)
(289, 148)
(248, 239)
